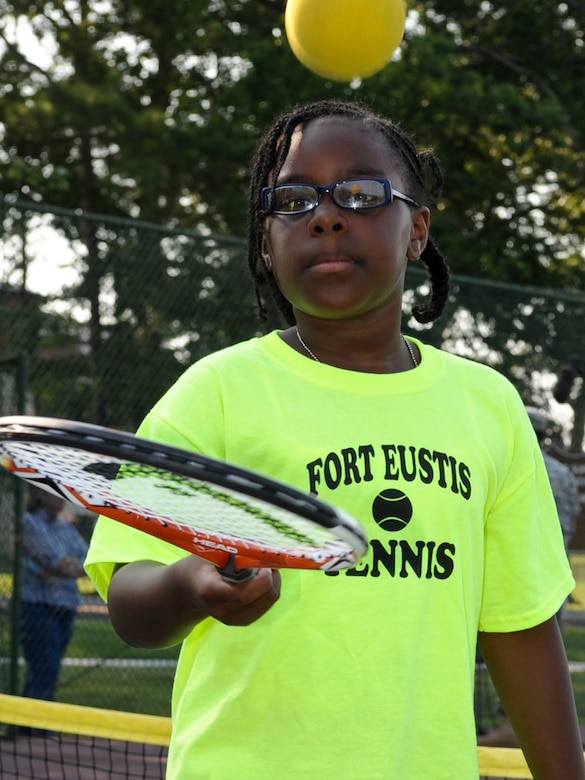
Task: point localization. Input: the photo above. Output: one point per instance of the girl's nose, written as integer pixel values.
(328, 216)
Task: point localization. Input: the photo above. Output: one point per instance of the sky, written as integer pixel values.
(50, 266)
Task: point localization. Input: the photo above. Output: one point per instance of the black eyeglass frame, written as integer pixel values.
(389, 194)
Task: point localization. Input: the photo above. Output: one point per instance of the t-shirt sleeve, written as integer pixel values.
(187, 416)
(527, 575)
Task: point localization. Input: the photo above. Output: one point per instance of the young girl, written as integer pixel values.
(367, 672)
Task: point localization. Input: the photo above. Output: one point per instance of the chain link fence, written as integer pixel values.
(106, 313)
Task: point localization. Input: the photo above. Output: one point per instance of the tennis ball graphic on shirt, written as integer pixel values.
(392, 510)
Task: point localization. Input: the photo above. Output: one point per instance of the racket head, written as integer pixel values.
(234, 517)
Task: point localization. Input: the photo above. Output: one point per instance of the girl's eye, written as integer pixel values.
(294, 199)
(295, 204)
(356, 196)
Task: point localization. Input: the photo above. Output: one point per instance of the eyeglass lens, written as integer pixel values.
(351, 194)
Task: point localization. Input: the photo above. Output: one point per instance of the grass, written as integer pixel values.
(486, 706)
(574, 632)
(94, 636)
(574, 635)
(100, 670)
(579, 691)
(116, 676)
(118, 680)
(106, 672)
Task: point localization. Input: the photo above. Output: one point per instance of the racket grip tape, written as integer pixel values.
(229, 572)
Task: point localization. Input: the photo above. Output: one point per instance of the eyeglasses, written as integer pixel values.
(356, 194)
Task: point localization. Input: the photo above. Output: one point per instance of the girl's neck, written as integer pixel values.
(352, 349)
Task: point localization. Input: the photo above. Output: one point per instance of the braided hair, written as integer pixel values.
(423, 177)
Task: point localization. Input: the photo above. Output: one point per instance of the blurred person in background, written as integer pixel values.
(566, 495)
(562, 480)
(53, 552)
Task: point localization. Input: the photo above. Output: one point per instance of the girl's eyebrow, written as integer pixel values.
(345, 173)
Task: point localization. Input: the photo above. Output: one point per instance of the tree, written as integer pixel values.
(154, 114)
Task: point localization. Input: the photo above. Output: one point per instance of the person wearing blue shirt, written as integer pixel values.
(53, 552)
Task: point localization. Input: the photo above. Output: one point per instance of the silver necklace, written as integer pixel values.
(310, 352)
(410, 351)
(305, 347)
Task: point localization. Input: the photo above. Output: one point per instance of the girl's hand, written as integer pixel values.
(156, 605)
(232, 603)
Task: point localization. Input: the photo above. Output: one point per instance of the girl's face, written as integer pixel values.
(333, 262)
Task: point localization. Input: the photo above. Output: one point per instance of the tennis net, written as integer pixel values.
(55, 741)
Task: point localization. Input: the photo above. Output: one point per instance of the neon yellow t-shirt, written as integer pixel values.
(367, 672)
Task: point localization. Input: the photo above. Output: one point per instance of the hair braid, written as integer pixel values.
(438, 272)
(421, 170)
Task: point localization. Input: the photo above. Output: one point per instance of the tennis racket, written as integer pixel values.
(235, 518)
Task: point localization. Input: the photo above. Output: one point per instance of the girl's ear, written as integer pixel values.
(419, 233)
(414, 250)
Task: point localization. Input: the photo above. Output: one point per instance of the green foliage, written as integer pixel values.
(153, 113)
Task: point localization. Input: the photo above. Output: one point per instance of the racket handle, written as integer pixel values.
(229, 572)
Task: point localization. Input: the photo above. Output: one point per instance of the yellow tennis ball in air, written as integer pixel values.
(344, 39)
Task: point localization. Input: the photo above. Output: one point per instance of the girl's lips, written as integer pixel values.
(331, 263)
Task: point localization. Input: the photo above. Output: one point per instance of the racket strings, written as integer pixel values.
(170, 498)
